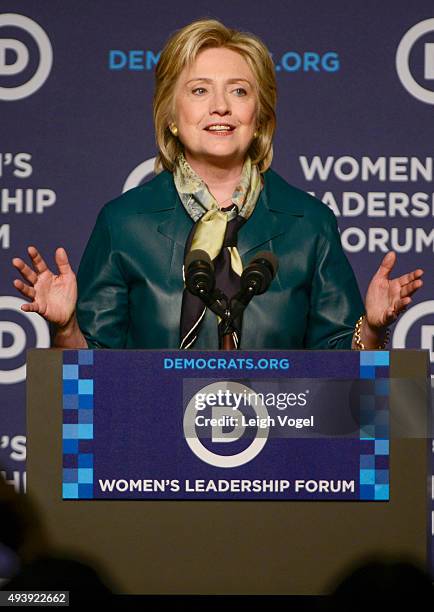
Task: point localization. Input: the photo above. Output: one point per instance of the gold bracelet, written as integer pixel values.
(358, 340)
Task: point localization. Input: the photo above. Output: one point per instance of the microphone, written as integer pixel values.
(199, 279)
(199, 272)
(255, 280)
(258, 274)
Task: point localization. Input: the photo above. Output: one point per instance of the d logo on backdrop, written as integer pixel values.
(20, 52)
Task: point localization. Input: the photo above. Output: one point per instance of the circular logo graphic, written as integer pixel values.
(22, 56)
(403, 64)
(213, 458)
(18, 334)
(408, 319)
(139, 174)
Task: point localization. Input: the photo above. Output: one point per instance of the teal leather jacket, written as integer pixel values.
(130, 277)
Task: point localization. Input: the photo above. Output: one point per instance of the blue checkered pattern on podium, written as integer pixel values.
(77, 424)
(374, 427)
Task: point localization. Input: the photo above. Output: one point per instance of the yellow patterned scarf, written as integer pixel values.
(214, 232)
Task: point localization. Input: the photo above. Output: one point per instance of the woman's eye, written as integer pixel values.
(242, 90)
(199, 89)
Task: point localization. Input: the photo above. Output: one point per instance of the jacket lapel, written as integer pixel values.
(177, 224)
(273, 215)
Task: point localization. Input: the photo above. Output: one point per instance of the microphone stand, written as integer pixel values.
(218, 302)
(236, 308)
(201, 282)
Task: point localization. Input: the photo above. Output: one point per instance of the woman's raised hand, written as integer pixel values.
(53, 296)
(387, 297)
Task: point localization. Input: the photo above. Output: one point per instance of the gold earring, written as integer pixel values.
(174, 129)
(255, 134)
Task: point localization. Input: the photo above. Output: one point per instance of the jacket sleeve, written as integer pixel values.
(102, 307)
(335, 300)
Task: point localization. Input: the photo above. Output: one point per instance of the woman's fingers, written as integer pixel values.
(62, 260)
(400, 304)
(26, 290)
(25, 270)
(386, 265)
(393, 312)
(30, 307)
(37, 260)
(410, 276)
(410, 288)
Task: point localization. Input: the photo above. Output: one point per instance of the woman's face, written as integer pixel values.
(218, 90)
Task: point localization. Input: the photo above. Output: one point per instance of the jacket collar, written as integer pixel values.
(273, 214)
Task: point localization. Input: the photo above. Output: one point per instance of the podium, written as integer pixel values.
(122, 476)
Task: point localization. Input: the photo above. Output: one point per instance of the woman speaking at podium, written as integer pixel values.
(214, 190)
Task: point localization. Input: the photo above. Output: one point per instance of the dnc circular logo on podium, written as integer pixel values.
(232, 417)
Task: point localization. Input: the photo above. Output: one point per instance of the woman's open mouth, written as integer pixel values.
(220, 129)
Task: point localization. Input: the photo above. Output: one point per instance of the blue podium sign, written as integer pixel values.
(275, 425)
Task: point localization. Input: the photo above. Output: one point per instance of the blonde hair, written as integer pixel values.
(181, 50)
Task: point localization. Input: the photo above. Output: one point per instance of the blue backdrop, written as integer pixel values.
(355, 127)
